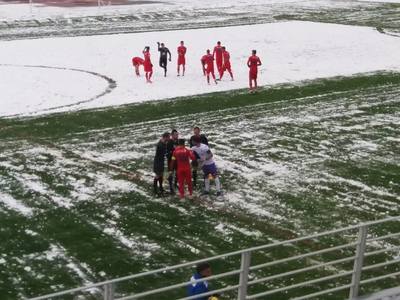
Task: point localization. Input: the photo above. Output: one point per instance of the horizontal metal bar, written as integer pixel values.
(386, 263)
(192, 263)
(300, 284)
(379, 277)
(178, 285)
(275, 262)
(382, 251)
(301, 270)
(229, 288)
(383, 237)
(343, 287)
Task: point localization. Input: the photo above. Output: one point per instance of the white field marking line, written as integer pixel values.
(111, 85)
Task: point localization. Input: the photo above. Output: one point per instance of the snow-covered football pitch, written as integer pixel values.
(317, 147)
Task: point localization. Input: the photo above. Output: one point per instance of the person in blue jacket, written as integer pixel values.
(195, 288)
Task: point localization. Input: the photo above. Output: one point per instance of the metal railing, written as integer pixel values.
(357, 241)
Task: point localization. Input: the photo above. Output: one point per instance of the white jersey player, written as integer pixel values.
(207, 164)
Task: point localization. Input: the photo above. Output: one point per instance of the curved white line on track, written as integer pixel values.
(111, 84)
(290, 52)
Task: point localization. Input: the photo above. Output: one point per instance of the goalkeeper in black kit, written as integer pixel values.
(164, 53)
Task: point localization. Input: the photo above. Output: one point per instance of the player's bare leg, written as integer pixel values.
(213, 75)
(208, 78)
(230, 73)
(148, 77)
(183, 70)
(137, 71)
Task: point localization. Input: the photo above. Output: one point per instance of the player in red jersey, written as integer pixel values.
(217, 54)
(209, 66)
(181, 58)
(182, 157)
(227, 63)
(253, 62)
(137, 62)
(148, 66)
(203, 63)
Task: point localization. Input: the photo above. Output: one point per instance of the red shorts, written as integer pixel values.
(209, 70)
(227, 66)
(181, 60)
(148, 67)
(253, 74)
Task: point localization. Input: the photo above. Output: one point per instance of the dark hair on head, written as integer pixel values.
(181, 142)
(202, 266)
(219, 43)
(196, 127)
(174, 131)
(182, 42)
(165, 135)
(254, 51)
(208, 50)
(223, 48)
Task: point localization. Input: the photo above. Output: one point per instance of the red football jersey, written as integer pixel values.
(181, 50)
(253, 62)
(227, 56)
(209, 60)
(182, 156)
(137, 61)
(218, 52)
(147, 62)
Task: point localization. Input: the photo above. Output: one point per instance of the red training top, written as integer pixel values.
(227, 58)
(148, 66)
(209, 61)
(218, 53)
(182, 156)
(137, 61)
(253, 62)
(181, 51)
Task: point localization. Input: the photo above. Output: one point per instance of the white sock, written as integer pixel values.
(207, 184)
(217, 184)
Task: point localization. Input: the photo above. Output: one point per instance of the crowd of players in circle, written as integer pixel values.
(220, 56)
(183, 164)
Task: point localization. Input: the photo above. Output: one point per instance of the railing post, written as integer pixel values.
(109, 291)
(244, 275)
(358, 262)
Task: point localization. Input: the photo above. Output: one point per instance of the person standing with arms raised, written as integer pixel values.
(164, 52)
